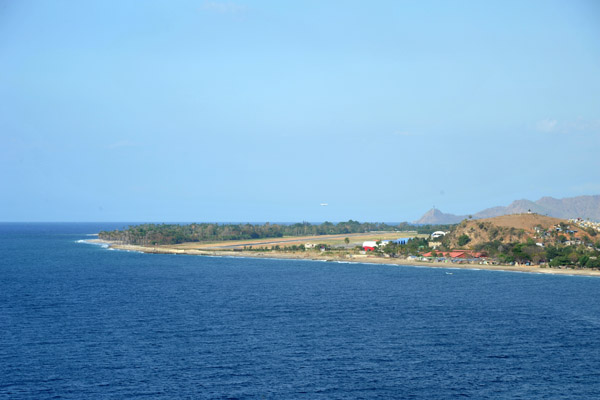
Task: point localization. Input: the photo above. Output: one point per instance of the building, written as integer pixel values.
(456, 254)
(369, 245)
(401, 240)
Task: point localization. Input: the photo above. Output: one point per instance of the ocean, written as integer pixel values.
(81, 321)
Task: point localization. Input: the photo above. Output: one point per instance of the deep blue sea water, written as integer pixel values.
(80, 321)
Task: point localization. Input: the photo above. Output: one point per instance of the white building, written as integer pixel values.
(438, 234)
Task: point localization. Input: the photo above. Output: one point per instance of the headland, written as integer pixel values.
(346, 257)
(525, 242)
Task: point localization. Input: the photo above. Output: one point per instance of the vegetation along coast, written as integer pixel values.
(522, 242)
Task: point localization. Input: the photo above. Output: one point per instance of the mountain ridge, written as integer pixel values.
(586, 207)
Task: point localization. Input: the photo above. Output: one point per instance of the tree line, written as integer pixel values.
(159, 234)
(529, 252)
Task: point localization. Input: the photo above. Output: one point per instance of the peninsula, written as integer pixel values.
(523, 242)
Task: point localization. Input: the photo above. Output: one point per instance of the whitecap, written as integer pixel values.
(84, 241)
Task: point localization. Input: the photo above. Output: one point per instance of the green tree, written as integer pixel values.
(593, 263)
(463, 239)
(552, 252)
(506, 258)
(559, 261)
(347, 240)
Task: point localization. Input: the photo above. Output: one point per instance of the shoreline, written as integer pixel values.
(348, 258)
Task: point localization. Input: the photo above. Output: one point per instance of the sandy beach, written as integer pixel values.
(346, 257)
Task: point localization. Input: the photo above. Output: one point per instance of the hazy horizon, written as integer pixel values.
(159, 221)
(263, 111)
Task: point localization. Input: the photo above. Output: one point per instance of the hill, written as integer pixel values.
(514, 228)
(528, 238)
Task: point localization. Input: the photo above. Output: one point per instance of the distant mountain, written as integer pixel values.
(436, 217)
(571, 207)
(516, 207)
(581, 206)
(586, 207)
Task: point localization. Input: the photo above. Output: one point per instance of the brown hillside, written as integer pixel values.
(524, 221)
(506, 229)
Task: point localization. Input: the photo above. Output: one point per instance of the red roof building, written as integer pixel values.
(455, 254)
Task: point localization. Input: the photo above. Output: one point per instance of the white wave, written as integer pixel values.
(84, 241)
(129, 251)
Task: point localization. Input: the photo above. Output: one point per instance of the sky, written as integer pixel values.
(248, 111)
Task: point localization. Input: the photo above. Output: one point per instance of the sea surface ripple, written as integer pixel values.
(78, 321)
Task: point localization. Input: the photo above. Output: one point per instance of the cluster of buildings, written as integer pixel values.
(449, 255)
(371, 245)
(574, 240)
(559, 228)
(585, 224)
(462, 254)
(567, 229)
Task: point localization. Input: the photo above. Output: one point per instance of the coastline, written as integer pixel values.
(350, 258)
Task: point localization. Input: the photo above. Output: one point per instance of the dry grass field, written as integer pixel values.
(356, 239)
(523, 221)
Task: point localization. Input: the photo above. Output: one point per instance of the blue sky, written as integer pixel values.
(263, 110)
